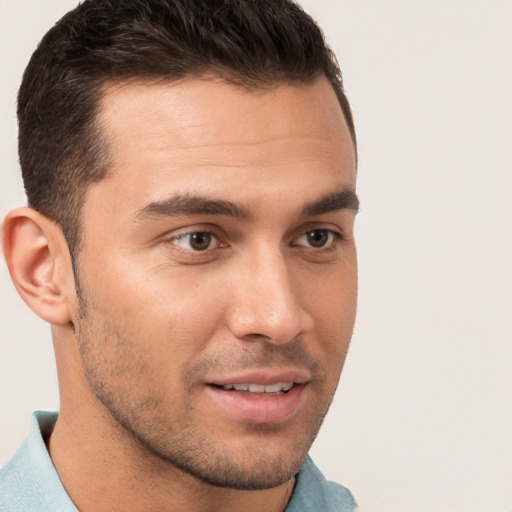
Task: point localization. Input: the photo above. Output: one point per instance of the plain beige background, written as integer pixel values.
(423, 418)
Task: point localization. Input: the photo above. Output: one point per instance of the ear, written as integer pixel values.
(39, 263)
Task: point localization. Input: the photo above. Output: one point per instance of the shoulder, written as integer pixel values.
(29, 482)
(314, 492)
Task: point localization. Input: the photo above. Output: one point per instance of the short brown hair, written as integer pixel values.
(250, 43)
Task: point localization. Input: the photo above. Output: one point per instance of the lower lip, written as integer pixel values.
(258, 408)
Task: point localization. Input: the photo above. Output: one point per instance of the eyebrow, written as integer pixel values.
(187, 204)
(344, 199)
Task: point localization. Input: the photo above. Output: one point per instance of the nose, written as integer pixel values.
(266, 302)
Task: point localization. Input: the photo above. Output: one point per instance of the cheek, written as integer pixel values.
(176, 317)
(332, 304)
(331, 296)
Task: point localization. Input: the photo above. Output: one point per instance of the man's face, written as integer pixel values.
(218, 274)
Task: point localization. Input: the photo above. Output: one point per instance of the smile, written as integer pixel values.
(258, 403)
(280, 387)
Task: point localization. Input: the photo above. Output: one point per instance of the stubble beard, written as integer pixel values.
(182, 444)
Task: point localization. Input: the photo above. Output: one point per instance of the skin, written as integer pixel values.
(271, 292)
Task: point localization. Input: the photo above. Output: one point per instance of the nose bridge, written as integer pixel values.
(266, 302)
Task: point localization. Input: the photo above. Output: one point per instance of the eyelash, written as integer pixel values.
(190, 234)
(334, 238)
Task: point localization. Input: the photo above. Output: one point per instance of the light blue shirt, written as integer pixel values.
(29, 482)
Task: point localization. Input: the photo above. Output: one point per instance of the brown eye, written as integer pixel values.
(318, 237)
(200, 241)
(196, 241)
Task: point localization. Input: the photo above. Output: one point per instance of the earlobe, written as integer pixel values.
(38, 261)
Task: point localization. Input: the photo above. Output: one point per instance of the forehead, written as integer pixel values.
(201, 135)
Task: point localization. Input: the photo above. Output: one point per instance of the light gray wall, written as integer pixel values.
(422, 421)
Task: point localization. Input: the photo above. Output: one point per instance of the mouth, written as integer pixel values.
(279, 388)
(259, 398)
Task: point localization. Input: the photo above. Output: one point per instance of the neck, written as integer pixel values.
(99, 474)
(103, 467)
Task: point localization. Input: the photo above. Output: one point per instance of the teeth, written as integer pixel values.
(281, 386)
(256, 388)
(260, 388)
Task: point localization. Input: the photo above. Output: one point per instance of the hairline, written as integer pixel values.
(101, 140)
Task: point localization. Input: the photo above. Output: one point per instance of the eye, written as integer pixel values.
(196, 241)
(318, 238)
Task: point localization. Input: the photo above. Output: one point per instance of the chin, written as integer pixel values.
(257, 473)
(259, 460)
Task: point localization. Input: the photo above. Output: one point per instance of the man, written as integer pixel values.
(190, 173)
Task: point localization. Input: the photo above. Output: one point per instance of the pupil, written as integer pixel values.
(318, 237)
(200, 241)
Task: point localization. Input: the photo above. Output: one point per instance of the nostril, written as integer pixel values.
(257, 337)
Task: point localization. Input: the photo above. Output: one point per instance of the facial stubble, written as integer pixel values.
(116, 370)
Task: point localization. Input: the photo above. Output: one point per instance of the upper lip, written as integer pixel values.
(265, 377)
